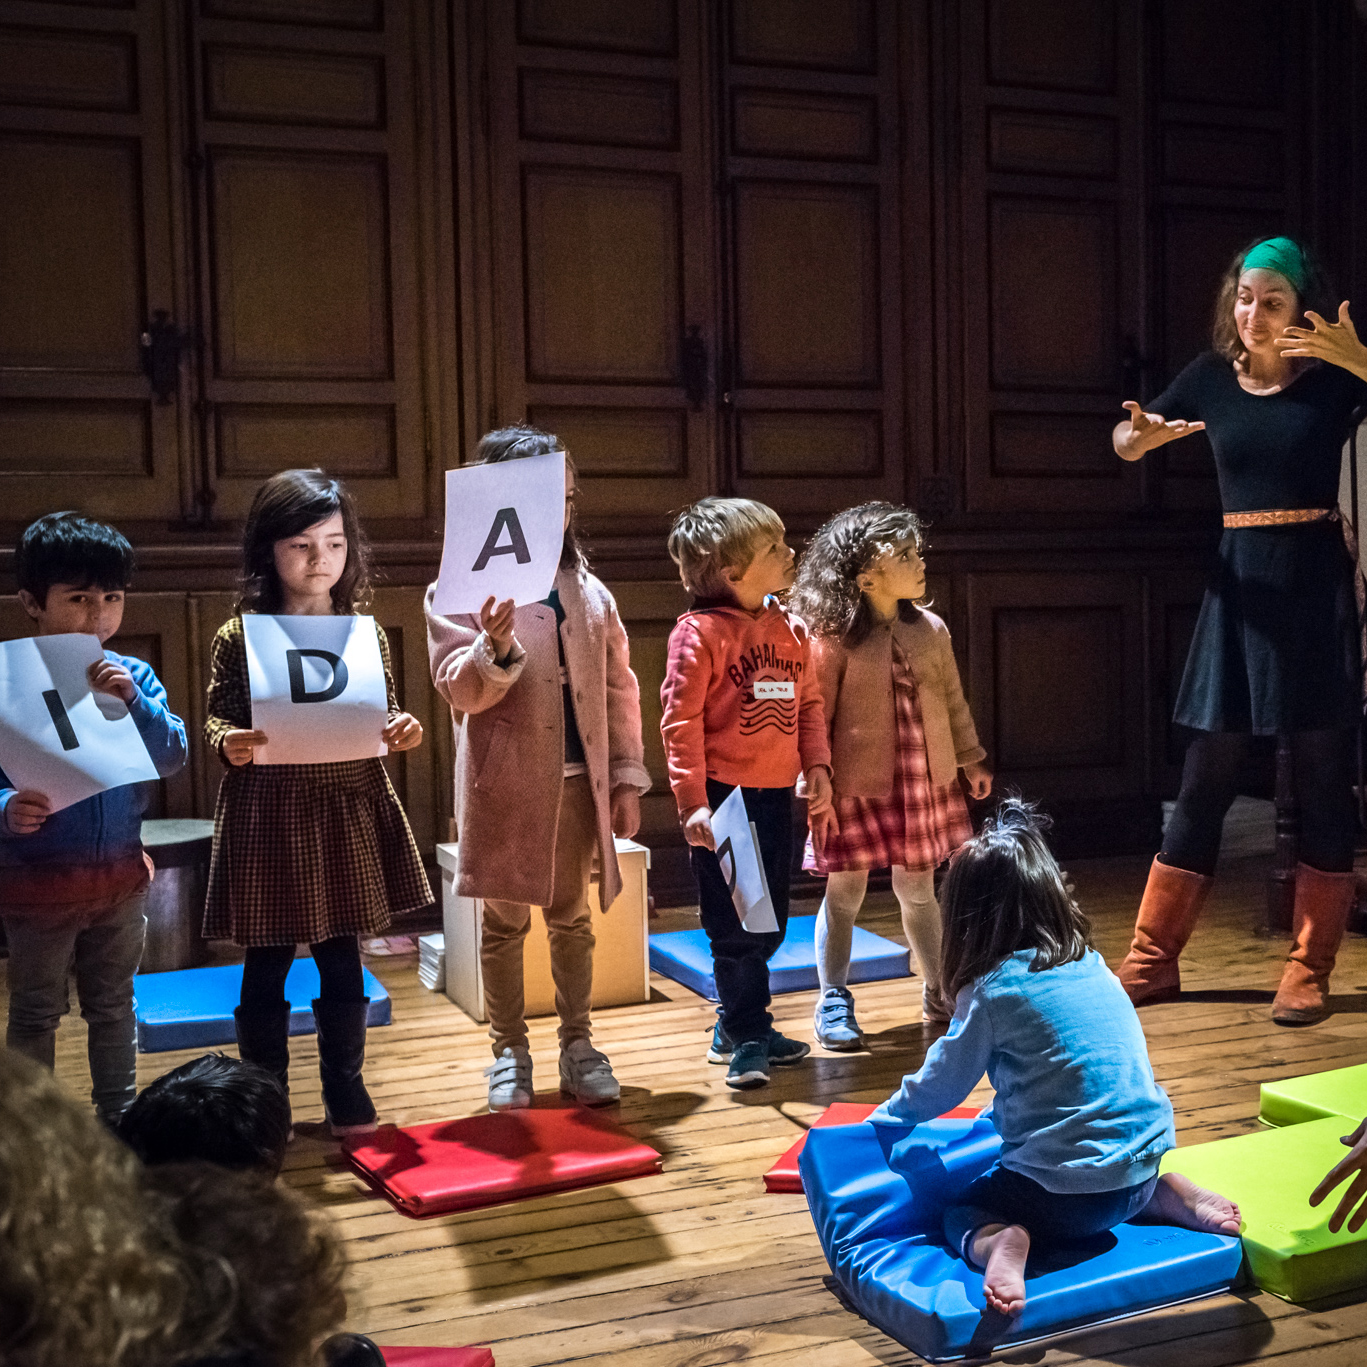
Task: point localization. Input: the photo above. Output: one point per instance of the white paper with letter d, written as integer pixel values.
(505, 527)
(741, 866)
(318, 688)
(57, 736)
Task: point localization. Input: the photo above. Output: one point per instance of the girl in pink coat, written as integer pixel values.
(900, 732)
(549, 766)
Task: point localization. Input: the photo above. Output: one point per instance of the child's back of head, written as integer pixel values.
(1004, 892)
(214, 1109)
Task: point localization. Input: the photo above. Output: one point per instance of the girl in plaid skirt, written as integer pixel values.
(305, 853)
(900, 733)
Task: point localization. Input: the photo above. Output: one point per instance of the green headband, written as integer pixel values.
(1278, 254)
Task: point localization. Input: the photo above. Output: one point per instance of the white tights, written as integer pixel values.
(915, 892)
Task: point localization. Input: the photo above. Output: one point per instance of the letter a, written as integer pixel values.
(517, 543)
(298, 687)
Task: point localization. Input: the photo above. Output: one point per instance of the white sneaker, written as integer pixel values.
(586, 1075)
(510, 1080)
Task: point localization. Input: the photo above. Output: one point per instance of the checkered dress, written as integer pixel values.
(302, 852)
(919, 825)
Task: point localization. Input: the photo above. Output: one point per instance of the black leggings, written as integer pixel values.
(339, 972)
(1323, 769)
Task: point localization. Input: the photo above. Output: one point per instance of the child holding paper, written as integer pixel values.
(305, 853)
(1083, 1123)
(73, 883)
(741, 709)
(549, 766)
(900, 734)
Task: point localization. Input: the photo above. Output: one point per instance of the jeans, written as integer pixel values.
(1003, 1197)
(105, 955)
(740, 959)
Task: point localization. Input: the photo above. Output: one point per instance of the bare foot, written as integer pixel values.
(1003, 1254)
(1177, 1200)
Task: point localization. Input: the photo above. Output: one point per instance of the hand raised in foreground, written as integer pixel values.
(239, 747)
(1356, 1195)
(1336, 343)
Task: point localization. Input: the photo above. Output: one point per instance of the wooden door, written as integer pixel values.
(304, 154)
(89, 226)
(809, 146)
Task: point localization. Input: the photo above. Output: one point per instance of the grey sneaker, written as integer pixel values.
(586, 1075)
(834, 1022)
(510, 1080)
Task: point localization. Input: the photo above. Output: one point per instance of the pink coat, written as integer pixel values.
(510, 736)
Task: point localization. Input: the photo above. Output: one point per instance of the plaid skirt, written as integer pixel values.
(918, 826)
(306, 852)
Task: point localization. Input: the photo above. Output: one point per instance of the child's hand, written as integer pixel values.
(107, 677)
(239, 747)
(1355, 1162)
(403, 733)
(819, 797)
(823, 825)
(497, 622)
(626, 812)
(698, 829)
(979, 778)
(26, 811)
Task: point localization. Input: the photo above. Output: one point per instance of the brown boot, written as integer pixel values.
(1173, 899)
(1323, 901)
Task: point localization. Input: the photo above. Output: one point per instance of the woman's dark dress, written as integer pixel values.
(1276, 643)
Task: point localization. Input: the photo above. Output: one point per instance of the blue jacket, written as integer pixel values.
(106, 828)
(1077, 1107)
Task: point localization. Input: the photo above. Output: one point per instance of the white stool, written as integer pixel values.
(621, 957)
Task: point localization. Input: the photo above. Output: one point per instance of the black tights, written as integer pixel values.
(339, 972)
(1323, 767)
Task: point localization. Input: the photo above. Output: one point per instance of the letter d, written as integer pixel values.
(298, 688)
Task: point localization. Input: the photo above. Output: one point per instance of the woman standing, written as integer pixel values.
(1276, 649)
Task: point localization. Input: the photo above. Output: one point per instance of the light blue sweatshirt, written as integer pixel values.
(1077, 1107)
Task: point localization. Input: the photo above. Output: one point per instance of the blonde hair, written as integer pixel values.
(716, 534)
(88, 1274)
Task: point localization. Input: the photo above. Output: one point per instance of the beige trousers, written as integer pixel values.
(568, 926)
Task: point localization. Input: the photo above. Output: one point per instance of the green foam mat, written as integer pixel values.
(1294, 1100)
(1287, 1242)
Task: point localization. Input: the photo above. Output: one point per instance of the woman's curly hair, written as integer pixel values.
(1316, 293)
(826, 593)
(88, 1274)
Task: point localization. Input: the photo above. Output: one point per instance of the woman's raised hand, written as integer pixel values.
(497, 621)
(1336, 343)
(1147, 430)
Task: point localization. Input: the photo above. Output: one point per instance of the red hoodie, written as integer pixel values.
(741, 703)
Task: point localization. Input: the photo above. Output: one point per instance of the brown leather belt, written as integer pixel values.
(1279, 517)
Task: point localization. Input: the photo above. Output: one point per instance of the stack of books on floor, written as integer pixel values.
(432, 961)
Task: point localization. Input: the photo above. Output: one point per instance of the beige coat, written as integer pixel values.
(510, 736)
(856, 686)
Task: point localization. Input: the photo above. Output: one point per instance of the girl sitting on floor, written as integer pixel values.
(1082, 1121)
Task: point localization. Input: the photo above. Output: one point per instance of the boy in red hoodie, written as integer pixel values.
(721, 731)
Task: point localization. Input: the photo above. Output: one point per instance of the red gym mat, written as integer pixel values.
(783, 1176)
(485, 1160)
(438, 1357)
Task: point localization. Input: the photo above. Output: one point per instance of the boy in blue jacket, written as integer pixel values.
(73, 883)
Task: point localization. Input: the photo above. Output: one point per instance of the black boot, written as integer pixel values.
(341, 1055)
(263, 1038)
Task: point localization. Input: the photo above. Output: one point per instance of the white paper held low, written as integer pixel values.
(57, 736)
(741, 866)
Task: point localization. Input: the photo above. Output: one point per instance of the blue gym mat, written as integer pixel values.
(877, 1194)
(192, 1008)
(684, 955)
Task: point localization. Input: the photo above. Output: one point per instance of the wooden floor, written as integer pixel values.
(699, 1267)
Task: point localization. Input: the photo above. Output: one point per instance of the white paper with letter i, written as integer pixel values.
(57, 736)
(741, 866)
(318, 689)
(505, 527)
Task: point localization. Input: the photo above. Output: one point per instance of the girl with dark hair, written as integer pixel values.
(900, 732)
(1082, 1121)
(1276, 649)
(549, 767)
(305, 853)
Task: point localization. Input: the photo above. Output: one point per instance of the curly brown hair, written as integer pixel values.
(826, 593)
(1224, 333)
(87, 1273)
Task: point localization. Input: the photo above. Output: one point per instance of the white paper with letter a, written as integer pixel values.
(505, 527)
(741, 866)
(57, 736)
(317, 688)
